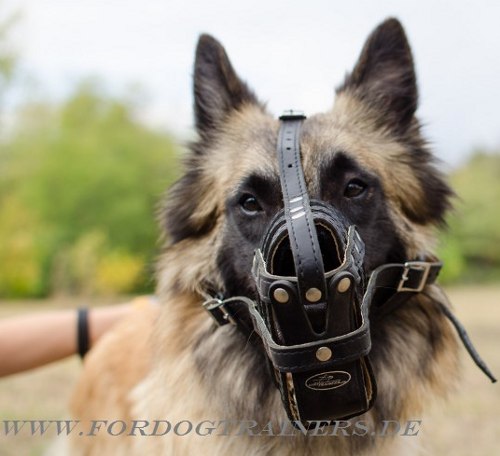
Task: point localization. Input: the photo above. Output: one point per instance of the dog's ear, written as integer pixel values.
(217, 88)
(384, 75)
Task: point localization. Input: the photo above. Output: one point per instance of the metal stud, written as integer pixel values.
(313, 295)
(281, 295)
(344, 285)
(323, 353)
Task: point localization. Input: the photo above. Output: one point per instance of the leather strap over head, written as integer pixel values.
(303, 239)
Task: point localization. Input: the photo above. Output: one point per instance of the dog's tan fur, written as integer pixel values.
(149, 368)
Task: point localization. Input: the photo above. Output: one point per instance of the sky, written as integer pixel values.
(292, 53)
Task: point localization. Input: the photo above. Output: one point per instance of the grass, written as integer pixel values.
(467, 424)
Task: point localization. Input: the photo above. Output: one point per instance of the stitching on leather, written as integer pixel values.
(283, 137)
(296, 157)
(337, 346)
(303, 193)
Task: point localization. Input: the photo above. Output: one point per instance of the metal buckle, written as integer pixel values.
(218, 311)
(292, 114)
(422, 266)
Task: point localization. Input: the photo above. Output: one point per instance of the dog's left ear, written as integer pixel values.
(217, 88)
(384, 75)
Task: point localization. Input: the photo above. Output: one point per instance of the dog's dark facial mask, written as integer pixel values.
(340, 182)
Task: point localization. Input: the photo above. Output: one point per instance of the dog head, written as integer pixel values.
(366, 157)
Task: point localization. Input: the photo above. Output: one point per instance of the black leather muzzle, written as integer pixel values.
(324, 373)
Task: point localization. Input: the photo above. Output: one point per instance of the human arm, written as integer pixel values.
(29, 341)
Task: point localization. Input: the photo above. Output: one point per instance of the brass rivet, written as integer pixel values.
(281, 295)
(323, 353)
(344, 285)
(313, 295)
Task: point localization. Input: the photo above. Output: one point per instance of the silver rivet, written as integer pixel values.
(313, 295)
(344, 285)
(323, 353)
(281, 295)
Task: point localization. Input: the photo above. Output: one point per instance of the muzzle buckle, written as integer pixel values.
(423, 268)
(219, 312)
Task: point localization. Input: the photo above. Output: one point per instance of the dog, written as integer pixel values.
(366, 158)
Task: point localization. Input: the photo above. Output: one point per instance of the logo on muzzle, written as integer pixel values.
(328, 380)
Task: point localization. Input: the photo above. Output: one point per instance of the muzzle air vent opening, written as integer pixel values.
(282, 263)
(330, 251)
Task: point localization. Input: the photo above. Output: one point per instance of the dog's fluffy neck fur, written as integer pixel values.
(232, 376)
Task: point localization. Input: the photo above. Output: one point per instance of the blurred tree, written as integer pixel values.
(79, 184)
(8, 58)
(20, 265)
(472, 244)
(88, 170)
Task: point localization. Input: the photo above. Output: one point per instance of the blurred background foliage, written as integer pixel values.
(470, 248)
(80, 181)
(79, 185)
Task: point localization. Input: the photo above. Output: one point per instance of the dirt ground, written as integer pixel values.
(468, 424)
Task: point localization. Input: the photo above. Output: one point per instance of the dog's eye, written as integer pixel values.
(355, 187)
(249, 204)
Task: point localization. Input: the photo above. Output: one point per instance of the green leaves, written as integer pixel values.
(471, 248)
(86, 167)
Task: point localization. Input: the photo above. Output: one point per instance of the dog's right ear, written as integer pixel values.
(217, 88)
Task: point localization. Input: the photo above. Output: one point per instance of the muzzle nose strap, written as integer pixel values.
(304, 243)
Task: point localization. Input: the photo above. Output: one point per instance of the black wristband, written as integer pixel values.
(82, 332)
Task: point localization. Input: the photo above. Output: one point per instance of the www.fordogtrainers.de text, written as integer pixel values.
(207, 428)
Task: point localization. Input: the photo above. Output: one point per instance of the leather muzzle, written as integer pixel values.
(332, 379)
